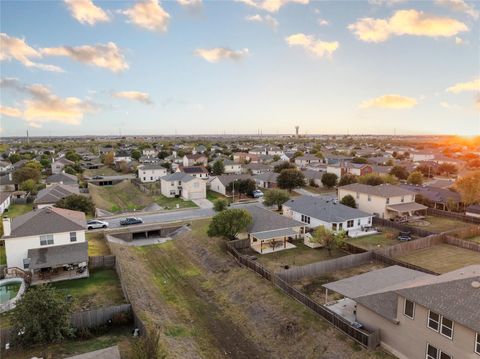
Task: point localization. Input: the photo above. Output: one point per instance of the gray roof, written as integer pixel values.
(265, 220)
(435, 194)
(313, 174)
(177, 176)
(323, 209)
(227, 179)
(47, 220)
(151, 167)
(267, 177)
(285, 232)
(54, 256)
(55, 193)
(62, 177)
(383, 190)
(64, 161)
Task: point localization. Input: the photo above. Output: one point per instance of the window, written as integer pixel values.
(403, 199)
(433, 321)
(26, 263)
(305, 219)
(444, 356)
(334, 226)
(388, 200)
(369, 220)
(358, 222)
(447, 327)
(340, 226)
(369, 198)
(409, 309)
(432, 352)
(46, 239)
(350, 223)
(477, 343)
(73, 236)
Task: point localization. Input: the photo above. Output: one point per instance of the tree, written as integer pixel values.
(167, 165)
(371, 179)
(229, 223)
(73, 156)
(283, 166)
(77, 202)
(162, 154)
(329, 180)
(426, 170)
(276, 158)
(347, 179)
(349, 201)
(276, 197)
(469, 188)
(26, 173)
(35, 165)
(246, 186)
(220, 204)
(328, 238)
(14, 158)
(28, 185)
(109, 158)
(148, 346)
(447, 168)
(400, 172)
(290, 179)
(42, 315)
(298, 154)
(361, 160)
(136, 154)
(415, 177)
(218, 168)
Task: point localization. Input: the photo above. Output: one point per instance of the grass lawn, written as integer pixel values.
(375, 241)
(3, 256)
(212, 196)
(320, 190)
(171, 203)
(120, 336)
(475, 239)
(102, 171)
(16, 210)
(440, 224)
(97, 245)
(298, 256)
(442, 258)
(101, 289)
(122, 196)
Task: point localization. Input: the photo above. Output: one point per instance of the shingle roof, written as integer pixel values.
(434, 194)
(267, 177)
(177, 176)
(54, 256)
(265, 220)
(383, 190)
(47, 220)
(55, 193)
(151, 167)
(324, 209)
(227, 179)
(193, 169)
(62, 177)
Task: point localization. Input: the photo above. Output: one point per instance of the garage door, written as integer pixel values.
(196, 195)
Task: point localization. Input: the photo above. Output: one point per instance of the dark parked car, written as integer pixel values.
(97, 177)
(131, 220)
(404, 236)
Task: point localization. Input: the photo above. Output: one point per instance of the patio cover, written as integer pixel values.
(286, 232)
(56, 256)
(406, 207)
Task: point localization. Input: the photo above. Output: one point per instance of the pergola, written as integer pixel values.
(407, 209)
(274, 235)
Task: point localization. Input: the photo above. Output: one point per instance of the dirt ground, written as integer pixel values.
(206, 306)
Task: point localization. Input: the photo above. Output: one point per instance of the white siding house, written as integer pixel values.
(151, 173)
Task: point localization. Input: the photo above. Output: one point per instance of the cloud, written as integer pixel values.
(323, 22)
(43, 106)
(390, 101)
(149, 15)
(477, 102)
(10, 111)
(314, 46)
(134, 96)
(220, 53)
(459, 41)
(460, 6)
(86, 12)
(267, 19)
(14, 48)
(449, 106)
(406, 22)
(106, 56)
(191, 4)
(271, 5)
(473, 85)
(385, 2)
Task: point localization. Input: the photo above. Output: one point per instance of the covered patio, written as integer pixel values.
(407, 211)
(272, 241)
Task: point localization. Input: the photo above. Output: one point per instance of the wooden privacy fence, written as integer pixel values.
(401, 227)
(393, 261)
(464, 233)
(367, 339)
(473, 246)
(101, 261)
(406, 247)
(97, 317)
(454, 215)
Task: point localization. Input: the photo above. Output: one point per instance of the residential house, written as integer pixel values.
(256, 168)
(385, 201)
(197, 159)
(149, 152)
(201, 149)
(5, 200)
(195, 171)
(151, 173)
(52, 194)
(122, 156)
(439, 198)
(219, 184)
(266, 180)
(258, 151)
(5, 166)
(7, 184)
(418, 315)
(62, 178)
(473, 210)
(232, 167)
(313, 176)
(183, 185)
(343, 168)
(318, 211)
(421, 156)
(306, 160)
(58, 165)
(48, 242)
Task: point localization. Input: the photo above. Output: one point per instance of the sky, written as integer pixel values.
(83, 67)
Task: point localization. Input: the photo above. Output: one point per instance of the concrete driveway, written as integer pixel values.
(203, 203)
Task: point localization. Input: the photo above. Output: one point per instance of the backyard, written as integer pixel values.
(120, 197)
(442, 258)
(102, 171)
(97, 245)
(388, 237)
(16, 210)
(438, 224)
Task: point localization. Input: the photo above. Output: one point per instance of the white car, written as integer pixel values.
(257, 194)
(96, 223)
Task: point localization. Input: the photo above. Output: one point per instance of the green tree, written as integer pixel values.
(229, 223)
(25, 173)
(469, 188)
(218, 168)
(361, 160)
(276, 197)
(73, 156)
(290, 178)
(220, 204)
(276, 158)
(35, 165)
(329, 180)
(400, 172)
(285, 165)
(328, 238)
(346, 179)
(42, 315)
(427, 170)
(77, 202)
(14, 158)
(371, 179)
(298, 154)
(162, 154)
(245, 186)
(28, 185)
(415, 177)
(349, 201)
(109, 158)
(136, 154)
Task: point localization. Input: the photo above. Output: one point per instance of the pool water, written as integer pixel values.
(8, 291)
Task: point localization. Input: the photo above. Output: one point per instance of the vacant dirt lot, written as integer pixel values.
(206, 306)
(122, 196)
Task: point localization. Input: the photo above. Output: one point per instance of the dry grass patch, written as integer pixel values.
(97, 244)
(439, 224)
(122, 196)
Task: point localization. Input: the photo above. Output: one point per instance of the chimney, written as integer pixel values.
(7, 226)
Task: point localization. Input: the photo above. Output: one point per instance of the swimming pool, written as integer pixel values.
(11, 289)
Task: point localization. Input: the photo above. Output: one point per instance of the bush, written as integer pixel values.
(329, 180)
(77, 202)
(349, 201)
(220, 205)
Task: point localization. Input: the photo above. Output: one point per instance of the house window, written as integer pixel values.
(409, 309)
(73, 236)
(447, 327)
(432, 352)
(477, 343)
(334, 226)
(403, 199)
(433, 321)
(369, 198)
(340, 226)
(369, 220)
(26, 263)
(350, 223)
(179, 183)
(305, 219)
(46, 239)
(358, 222)
(444, 356)
(388, 200)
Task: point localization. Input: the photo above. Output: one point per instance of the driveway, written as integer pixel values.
(203, 203)
(304, 192)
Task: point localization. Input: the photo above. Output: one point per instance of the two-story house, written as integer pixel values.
(195, 159)
(183, 185)
(195, 171)
(231, 167)
(151, 173)
(59, 164)
(48, 242)
(384, 201)
(307, 159)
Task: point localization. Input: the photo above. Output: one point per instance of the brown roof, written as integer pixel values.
(383, 190)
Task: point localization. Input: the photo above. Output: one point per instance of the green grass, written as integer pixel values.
(171, 203)
(475, 239)
(16, 210)
(122, 196)
(3, 256)
(440, 224)
(442, 258)
(375, 241)
(212, 196)
(97, 245)
(102, 171)
(298, 256)
(320, 190)
(101, 289)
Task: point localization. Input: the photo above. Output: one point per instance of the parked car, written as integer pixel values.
(257, 194)
(130, 220)
(97, 177)
(96, 223)
(404, 236)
